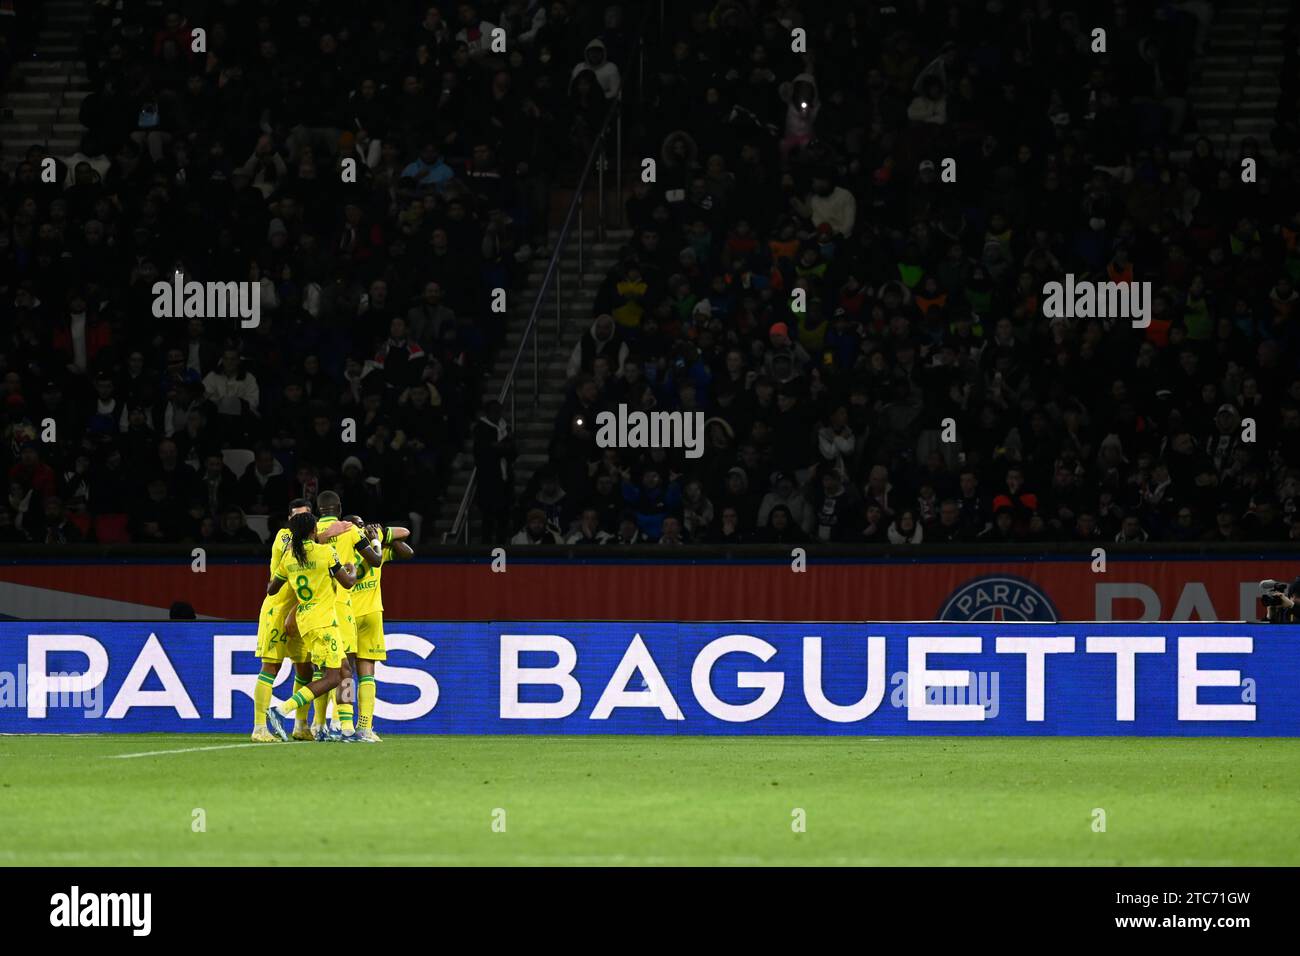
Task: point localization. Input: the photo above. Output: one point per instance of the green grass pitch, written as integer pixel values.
(649, 800)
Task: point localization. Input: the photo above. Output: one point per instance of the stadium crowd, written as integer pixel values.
(826, 171)
(228, 164)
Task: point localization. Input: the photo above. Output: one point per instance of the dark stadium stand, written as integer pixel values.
(776, 171)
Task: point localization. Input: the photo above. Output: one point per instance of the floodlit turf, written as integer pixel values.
(649, 800)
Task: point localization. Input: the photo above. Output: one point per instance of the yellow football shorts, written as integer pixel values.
(347, 628)
(370, 637)
(324, 646)
(275, 643)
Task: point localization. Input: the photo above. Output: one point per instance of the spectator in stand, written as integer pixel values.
(218, 489)
(1131, 532)
(673, 532)
(786, 494)
(650, 499)
(494, 454)
(58, 527)
(602, 340)
(905, 529)
(834, 507)
(596, 59)
(429, 168)
(949, 529)
(629, 532)
(536, 530)
(588, 530)
(781, 528)
(697, 510)
(233, 391)
(1002, 530)
(263, 489)
(235, 529)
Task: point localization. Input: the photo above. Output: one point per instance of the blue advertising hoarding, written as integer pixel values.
(872, 679)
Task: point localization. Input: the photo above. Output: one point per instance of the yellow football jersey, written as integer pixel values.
(346, 546)
(275, 607)
(366, 598)
(282, 543)
(311, 584)
(279, 545)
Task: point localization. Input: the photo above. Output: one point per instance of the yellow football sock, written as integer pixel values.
(345, 702)
(365, 701)
(300, 717)
(318, 711)
(344, 712)
(300, 699)
(262, 698)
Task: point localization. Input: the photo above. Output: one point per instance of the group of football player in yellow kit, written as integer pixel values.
(328, 622)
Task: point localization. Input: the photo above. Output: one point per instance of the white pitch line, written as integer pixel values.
(183, 750)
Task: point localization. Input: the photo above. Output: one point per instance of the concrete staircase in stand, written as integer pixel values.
(1235, 88)
(534, 424)
(43, 103)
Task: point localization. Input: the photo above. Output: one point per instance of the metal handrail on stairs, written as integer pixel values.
(596, 160)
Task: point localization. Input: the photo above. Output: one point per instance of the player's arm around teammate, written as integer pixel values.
(330, 532)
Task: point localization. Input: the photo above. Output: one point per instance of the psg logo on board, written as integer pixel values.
(998, 597)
